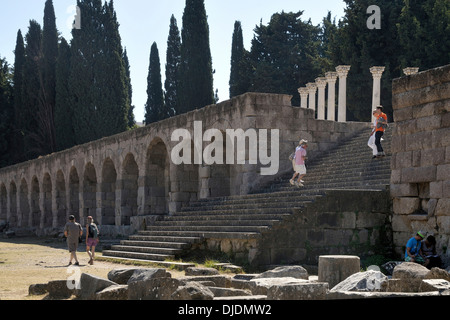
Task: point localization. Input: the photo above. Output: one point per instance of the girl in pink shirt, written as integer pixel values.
(299, 165)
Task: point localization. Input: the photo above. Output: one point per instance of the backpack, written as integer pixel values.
(292, 156)
(93, 231)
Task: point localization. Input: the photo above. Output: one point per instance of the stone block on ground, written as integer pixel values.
(334, 269)
(148, 274)
(90, 285)
(429, 285)
(153, 289)
(297, 272)
(362, 282)
(118, 292)
(300, 291)
(59, 289)
(37, 289)
(194, 271)
(192, 291)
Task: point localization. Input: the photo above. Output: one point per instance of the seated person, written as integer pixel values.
(428, 251)
(412, 253)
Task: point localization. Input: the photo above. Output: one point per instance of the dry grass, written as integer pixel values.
(24, 262)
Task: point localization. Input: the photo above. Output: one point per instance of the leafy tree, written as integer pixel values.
(285, 55)
(48, 86)
(131, 118)
(34, 138)
(154, 108)
(173, 60)
(65, 134)
(238, 85)
(196, 77)
(6, 114)
(98, 78)
(19, 116)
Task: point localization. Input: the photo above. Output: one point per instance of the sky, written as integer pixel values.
(143, 22)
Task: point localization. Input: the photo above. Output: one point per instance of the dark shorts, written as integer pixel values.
(91, 242)
(73, 246)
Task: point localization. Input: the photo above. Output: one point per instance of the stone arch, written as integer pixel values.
(47, 215)
(12, 204)
(35, 209)
(89, 191)
(129, 190)
(108, 191)
(157, 178)
(61, 199)
(3, 203)
(24, 208)
(74, 194)
(215, 179)
(184, 182)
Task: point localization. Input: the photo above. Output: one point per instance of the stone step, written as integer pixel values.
(137, 255)
(156, 244)
(146, 249)
(167, 264)
(209, 228)
(220, 211)
(213, 223)
(235, 217)
(204, 234)
(164, 239)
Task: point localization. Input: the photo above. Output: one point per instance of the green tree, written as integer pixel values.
(6, 114)
(196, 76)
(34, 139)
(239, 82)
(154, 108)
(131, 118)
(285, 55)
(48, 74)
(65, 134)
(18, 154)
(98, 79)
(173, 60)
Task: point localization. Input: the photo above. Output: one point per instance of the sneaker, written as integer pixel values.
(299, 184)
(292, 182)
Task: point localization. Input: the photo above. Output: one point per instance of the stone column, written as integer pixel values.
(321, 84)
(377, 73)
(304, 97)
(342, 72)
(410, 71)
(331, 79)
(312, 89)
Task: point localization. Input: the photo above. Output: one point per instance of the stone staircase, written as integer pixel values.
(349, 165)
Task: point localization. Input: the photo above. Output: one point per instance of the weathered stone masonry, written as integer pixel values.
(420, 183)
(130, 175)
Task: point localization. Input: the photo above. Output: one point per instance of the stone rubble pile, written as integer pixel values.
(282, 283)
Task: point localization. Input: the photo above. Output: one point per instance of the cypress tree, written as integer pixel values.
(238, 82)
(6, 114)
(173, 59)
(98, 77)
(65, 135)
(154, 107)
(131, 118)
(48, 86)
(113, 100)
(85, 53)
(19, 119)
(196, 77)
(34, 141)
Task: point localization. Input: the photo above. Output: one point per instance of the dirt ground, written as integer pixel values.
(27, 261)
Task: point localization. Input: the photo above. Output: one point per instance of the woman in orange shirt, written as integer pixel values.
(379, 131)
